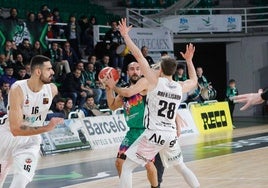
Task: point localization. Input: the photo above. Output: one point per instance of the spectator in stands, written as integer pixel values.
(8, 76)
(89, 42)
(113, 39)
(144, 51)
(84, 25)
(231, 91)
(58, 108)
(13, 18)
(84, 86)
(72, 34)
(40, 20)
(37, 49)
(88, 82)
(18, 63)
(92, 22)
(28, 69)
(21, 75)
(8, 51)
(179, 74)
(70, 55)
(31, 20)
(203, 85)
(55, 53)
(80, 65)
(56, 15)
(72, 88)
(5, 87)
(31, 24)
(68, 107)
(93, 59)
(14, 48)
(2, 64)
(202, 80)
(45, 11)
(90, 108)
(105, 61)
(25, 49)
(57, 29)
(3, 109)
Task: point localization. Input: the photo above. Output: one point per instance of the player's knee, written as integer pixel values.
(150, 167)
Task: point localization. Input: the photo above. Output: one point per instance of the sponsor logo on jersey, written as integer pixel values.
(27, 100)
(45, 100)
(27, 166)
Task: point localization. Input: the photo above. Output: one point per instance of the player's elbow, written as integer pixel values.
(112, 107)
(15, 131)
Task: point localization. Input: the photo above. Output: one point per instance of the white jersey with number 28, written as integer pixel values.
(162, 104)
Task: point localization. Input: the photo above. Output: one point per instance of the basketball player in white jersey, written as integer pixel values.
(163, 99)
(28, 103)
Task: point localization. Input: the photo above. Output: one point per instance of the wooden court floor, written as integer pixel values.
(232, 168)
(247, 169)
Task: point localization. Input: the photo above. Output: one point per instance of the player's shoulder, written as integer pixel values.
(54, 89)
(18, 84)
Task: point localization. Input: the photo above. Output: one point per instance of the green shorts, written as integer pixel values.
(129, 139)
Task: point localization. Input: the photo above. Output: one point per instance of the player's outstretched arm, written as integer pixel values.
(16, 116)
(250, 99)
(190, 83)
(140, 87)
(114, 102)
(147, 72)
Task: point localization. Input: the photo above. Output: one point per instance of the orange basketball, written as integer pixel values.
(108, 70)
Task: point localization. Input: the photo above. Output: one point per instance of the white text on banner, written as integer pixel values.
(106, 131)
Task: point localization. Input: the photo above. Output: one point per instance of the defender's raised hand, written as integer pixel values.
(123, 28)
(189, 53)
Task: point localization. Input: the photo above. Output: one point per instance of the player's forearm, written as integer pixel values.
(191, 72)
(136, 52)
(110, 99)
(125, 92)
(28, 131)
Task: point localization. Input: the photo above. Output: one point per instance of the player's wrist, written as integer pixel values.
(264, 95)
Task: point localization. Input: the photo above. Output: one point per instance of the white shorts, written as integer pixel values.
(144, 149)
(20, 151)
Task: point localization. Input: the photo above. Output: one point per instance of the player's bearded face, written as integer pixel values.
(134, 78)
(46, 79)
(47, 73)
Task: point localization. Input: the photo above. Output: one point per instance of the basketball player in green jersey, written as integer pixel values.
(133, 104)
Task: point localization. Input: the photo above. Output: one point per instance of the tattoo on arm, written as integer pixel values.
(24, 127)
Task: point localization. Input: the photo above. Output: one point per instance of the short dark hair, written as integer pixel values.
(180, 66)
(60, 99)
(231, 81)
(164, 53)
(38, 61)
(168, 66)
(142, 48)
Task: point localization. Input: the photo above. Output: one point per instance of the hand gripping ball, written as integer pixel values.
(108, 70)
